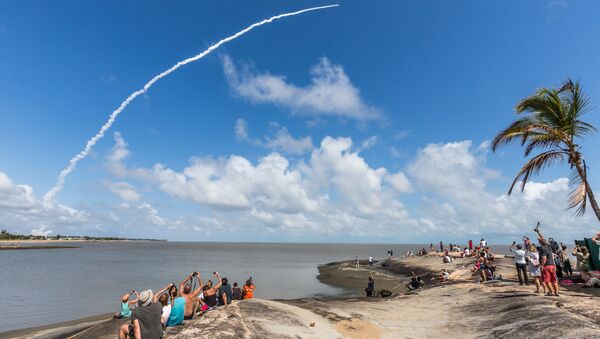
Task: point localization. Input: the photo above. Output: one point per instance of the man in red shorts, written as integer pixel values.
(548, 268)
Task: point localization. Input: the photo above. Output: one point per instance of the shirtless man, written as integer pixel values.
(191, 298)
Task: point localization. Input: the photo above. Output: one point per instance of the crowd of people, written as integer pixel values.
(548, 261)
(151, 313)
(542, 263)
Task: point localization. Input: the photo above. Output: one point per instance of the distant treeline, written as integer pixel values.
(5, 235)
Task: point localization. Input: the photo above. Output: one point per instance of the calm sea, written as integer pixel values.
(40, 287)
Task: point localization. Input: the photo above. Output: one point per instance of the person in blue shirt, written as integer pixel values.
(177, 308)
(125, 305)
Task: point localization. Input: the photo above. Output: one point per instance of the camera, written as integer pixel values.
(194, 274)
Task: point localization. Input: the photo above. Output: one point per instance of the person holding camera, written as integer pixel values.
(126, 303)
(210, 292)
(520, 262)
(191, 297)
(145, 319)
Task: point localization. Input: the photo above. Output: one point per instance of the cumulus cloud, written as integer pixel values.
(20, 207)
(151, 214)
(336, 187)
(279, 139)
(43, 230)
(124, 190)
(453, 178)
(330, 93)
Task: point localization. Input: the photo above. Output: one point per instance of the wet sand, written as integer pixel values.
(460, 307)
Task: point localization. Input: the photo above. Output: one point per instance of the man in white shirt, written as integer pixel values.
(520, 263)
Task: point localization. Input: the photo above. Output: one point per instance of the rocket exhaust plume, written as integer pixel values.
(49, 196)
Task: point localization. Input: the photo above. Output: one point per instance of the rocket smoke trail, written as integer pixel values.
(49, 196)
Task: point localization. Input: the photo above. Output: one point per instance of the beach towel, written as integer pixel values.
(594, 253)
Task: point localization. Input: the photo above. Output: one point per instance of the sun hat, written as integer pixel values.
(146, 298)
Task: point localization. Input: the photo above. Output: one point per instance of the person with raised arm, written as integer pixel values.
(210, 292)
(191, 297)
(126, 303)
(547, 264)
(520, 262)
(163, 298)
(145, 319)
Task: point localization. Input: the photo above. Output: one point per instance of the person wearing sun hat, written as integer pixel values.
(145, 319)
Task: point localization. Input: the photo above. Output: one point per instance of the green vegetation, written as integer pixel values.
(551, 122)
(5, 235)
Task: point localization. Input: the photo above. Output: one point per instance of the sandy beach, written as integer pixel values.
(460, 306)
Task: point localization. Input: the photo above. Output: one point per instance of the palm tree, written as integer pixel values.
(550, 123)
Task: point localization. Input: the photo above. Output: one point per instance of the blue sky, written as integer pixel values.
(256, 136)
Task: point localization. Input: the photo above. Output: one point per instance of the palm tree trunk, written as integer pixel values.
(588, 189)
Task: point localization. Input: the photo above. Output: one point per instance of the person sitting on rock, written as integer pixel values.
(209, 292)
(191, 297)
(126, 304)
(248, 289)
(236, 292)
(145, 319)
(225, 293)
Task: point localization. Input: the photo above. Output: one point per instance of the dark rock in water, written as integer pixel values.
(385, 293)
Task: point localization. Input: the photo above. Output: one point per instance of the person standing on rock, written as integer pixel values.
(441, 246)
(357, 263)
(548, 268)
(520, 263)
(370, 286)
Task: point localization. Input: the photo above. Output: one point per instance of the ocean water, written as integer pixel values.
(40, 287)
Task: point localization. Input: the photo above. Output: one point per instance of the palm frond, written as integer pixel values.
(535, 165)
(578, 193)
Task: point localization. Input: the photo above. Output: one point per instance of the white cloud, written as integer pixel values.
(282, 141)
(335, 188)
(124, 190)
(279, 139)
(241, 130)
(20, 208)
(454, 179)
(43, 230)
(330, 93)
(151, 214)
(369, 142)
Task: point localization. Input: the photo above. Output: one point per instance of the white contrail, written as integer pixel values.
(49, 196)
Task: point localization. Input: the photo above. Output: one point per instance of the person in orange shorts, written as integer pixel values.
(248, 289)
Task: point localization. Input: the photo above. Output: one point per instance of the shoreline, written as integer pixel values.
(41, 241)
(492, 309)
(34, 247)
